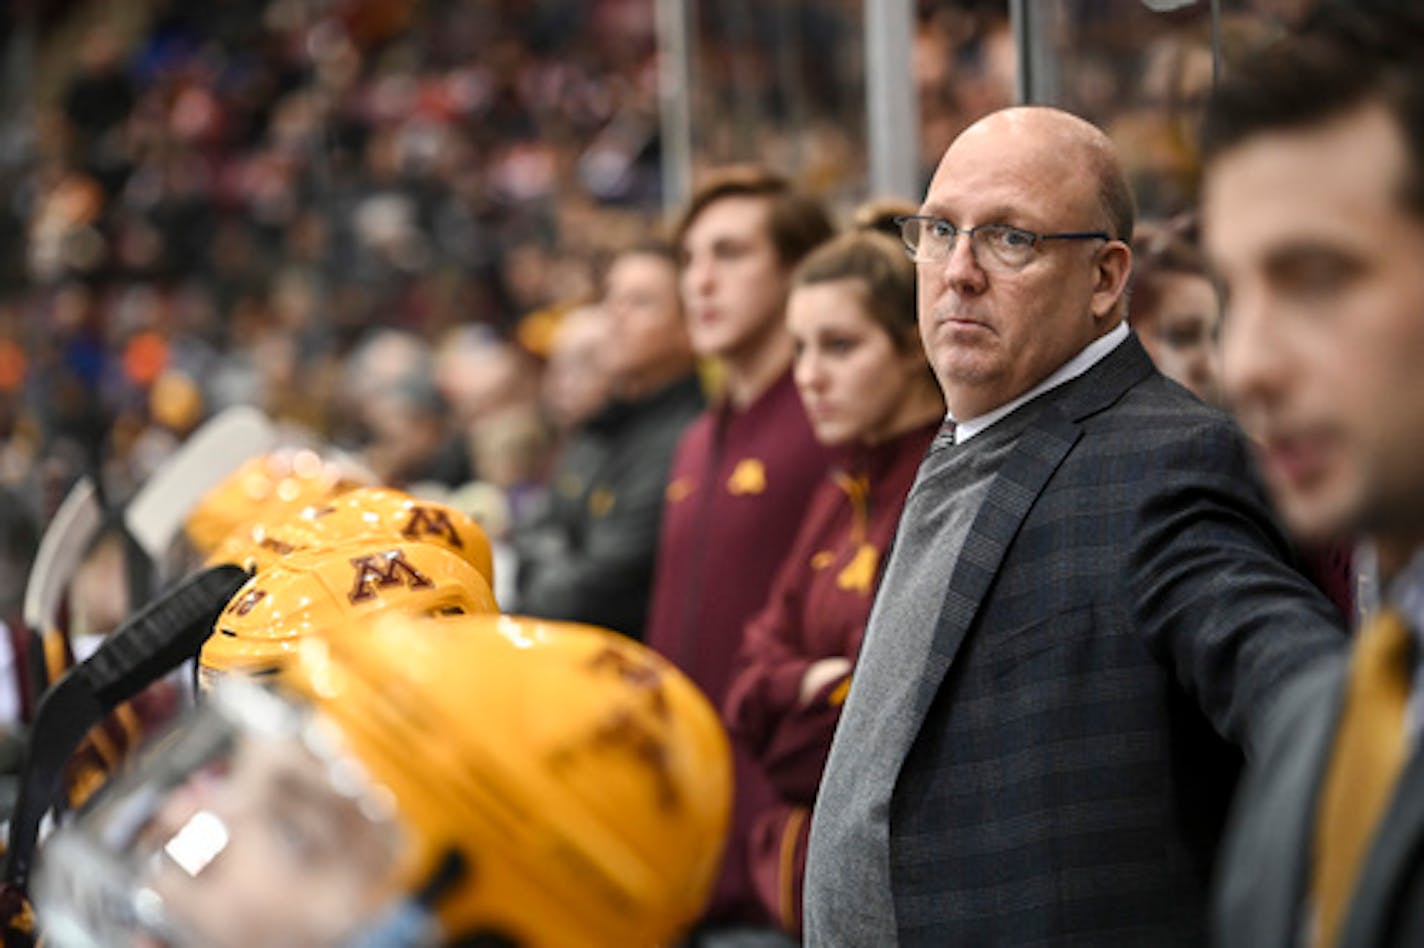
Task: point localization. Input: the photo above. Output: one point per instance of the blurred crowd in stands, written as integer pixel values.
(368, 217)
(364, 217)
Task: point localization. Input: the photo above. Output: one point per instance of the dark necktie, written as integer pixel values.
(944, 438)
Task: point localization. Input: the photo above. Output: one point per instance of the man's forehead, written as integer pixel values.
(1333, 179)
(1003, 181)
(732, 215)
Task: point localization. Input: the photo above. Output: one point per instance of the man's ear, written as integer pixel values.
(1114, 266)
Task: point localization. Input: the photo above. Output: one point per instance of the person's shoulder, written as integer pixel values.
(699, 429)
(676, 407)
(1160, 408)
(1157, 425)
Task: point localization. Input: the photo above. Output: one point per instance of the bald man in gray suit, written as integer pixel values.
(1087, 606)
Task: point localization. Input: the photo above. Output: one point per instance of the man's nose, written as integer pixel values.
(696, 277)
(1252, 350)
(960, 268)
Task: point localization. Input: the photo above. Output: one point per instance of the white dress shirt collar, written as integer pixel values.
(1093, 353)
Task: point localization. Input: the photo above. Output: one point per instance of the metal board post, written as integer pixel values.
(675, 100)
(891, 105)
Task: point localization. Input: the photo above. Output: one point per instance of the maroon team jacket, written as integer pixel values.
(818, 607)
(739, 484)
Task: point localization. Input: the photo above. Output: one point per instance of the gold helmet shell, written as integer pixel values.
(268, 486)
(329, 589)
(355, 514)
(584, 781)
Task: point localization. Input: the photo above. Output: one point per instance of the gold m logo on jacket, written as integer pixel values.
(601, 501)
(381, 571)
(749, 477)
(859, 574)
(678, 490)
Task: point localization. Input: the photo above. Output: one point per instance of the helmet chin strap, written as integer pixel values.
(412, 922)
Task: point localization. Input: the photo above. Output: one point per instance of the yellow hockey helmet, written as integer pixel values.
(385, 511)
(268, 487)
(583, 779)
(358, 513)
(328, 589)
(474, 779)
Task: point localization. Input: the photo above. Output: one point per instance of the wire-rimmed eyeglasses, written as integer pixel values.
(931, 239)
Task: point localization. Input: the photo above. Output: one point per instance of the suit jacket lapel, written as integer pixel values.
(1026, 471)
(1282, 820)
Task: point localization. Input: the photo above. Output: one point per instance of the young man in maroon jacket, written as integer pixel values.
(743, 471)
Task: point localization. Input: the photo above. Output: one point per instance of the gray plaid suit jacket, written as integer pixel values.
(1122, 611)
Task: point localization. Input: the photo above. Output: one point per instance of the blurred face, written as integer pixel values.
(644, 316)
(227, 835)
(733, 283)
(1323, 338)
(278, 828)
(1181, 336)
(576, 379)
(993, 334)
(403, 437)
(856, 386)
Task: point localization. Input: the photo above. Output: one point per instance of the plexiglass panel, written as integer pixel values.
(1141, 69)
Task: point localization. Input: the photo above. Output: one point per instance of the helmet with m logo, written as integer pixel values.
(326, 589)
(363, 512)
(473, 780)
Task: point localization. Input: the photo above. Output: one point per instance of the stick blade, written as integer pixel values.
(210, 454)
(65, 541)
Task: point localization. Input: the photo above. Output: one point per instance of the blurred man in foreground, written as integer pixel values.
(1314, 215)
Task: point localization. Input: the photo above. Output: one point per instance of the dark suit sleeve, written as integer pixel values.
(1217, 596)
